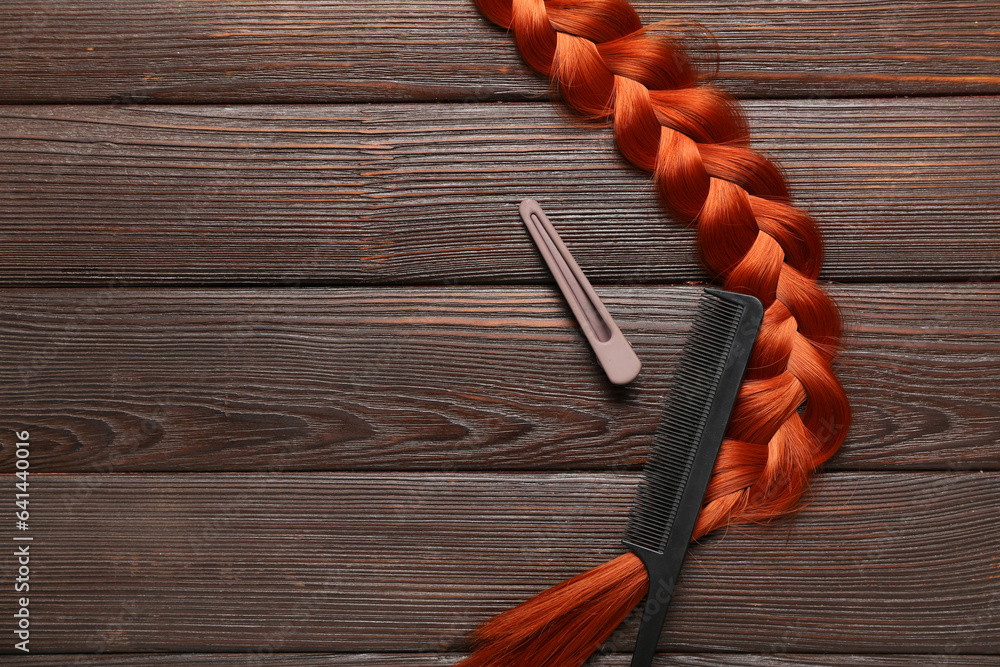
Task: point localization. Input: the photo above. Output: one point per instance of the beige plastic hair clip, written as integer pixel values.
(614, 353)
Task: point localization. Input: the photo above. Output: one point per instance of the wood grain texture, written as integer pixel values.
(937, 659)
(446, 379)
(235, 51)
(387, 194)
(300, 391)
(885, 562)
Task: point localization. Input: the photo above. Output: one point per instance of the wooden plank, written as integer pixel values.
(902, 189)
(450, 659)
(446, 379)
(234, 51)
(876, 562)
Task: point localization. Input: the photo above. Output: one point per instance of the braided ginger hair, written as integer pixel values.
(791, 414)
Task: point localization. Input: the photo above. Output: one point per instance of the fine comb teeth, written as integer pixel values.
(684, 419)
(685, 446)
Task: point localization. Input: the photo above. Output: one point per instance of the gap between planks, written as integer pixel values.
(936, 659)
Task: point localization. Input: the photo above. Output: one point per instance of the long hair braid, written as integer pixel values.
(791, 414)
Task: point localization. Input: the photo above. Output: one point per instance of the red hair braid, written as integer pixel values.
(791, 414)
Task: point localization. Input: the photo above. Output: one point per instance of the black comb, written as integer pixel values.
(683, 454)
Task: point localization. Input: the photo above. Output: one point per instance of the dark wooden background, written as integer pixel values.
(301, 392)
